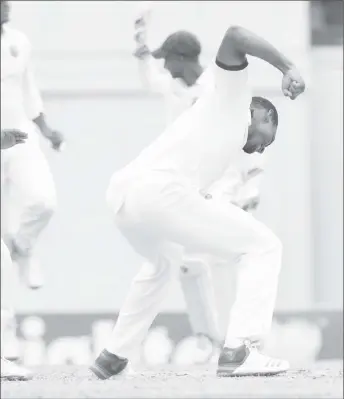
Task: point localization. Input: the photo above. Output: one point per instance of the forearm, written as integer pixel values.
(41, 123)
(248, 43)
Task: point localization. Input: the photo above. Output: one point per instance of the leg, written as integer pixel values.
(10, 347)
(197, 287)
(181, 215)
(28, 174)
(6, 290)
(174, 213)
(207, 226)
(198, 290)
(9, 370)
(146, 294)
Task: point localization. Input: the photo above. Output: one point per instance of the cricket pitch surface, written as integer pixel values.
(322, 380)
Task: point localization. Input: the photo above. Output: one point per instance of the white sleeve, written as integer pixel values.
(152, 77)
(32, 98)
(232, 83)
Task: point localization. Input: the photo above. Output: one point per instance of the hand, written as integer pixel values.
(11, 137)
(292, 84)
(141, 22)
(141, 52)
(56, 139)
(144, 10)
(252, 205)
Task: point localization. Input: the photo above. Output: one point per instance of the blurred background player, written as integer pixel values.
(181, 82)
(9, 370)
(27, 189)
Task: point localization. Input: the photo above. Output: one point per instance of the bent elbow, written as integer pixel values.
(235, 33)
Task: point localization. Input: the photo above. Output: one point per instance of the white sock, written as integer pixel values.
(233, 342)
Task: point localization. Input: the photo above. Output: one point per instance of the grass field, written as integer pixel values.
(323, 380)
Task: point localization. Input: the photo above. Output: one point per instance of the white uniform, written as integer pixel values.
(157, 206)
(25, 173)
(8, 369)
(236, 186)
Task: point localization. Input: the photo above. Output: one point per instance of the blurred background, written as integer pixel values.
(93, 94)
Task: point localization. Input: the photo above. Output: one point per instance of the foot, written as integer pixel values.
(247, 361)
(10, 343)
(204, 350)
(12, 372)
(107, 365)
(11, 349)
(29, 268)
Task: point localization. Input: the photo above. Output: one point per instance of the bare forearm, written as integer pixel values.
(41, 123)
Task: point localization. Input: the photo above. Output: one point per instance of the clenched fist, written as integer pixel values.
(293, 84)
(11, 137)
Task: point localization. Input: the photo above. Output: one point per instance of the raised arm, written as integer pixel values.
(151, 75)
(239, 42)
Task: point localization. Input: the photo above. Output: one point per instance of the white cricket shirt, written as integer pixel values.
(200, 145)
(20, 99)
(177, 95)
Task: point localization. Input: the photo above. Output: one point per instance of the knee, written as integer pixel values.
(155, 272)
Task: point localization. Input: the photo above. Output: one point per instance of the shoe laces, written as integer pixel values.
(252, 345)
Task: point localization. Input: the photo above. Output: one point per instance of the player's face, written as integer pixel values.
(5, 11)
(261, 132)
(175, 65)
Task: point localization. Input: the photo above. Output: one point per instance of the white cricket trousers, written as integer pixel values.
(28, 197)
(7, 281)
(160, 215)
(196, 279)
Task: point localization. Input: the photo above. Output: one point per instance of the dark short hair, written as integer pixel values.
(262, 102)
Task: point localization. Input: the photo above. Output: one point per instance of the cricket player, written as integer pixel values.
(9, 370)
(181, 85)
(157, 206)
(28, 197)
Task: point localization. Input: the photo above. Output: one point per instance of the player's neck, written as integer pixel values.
(191, 75)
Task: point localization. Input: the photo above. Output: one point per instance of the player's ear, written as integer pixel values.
(270, 113)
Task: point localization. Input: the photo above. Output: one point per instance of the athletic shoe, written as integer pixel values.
(10, 343)
(12, 372)
(107, 365)
(247, 361)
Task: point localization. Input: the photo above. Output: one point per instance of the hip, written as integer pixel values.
(150, 189)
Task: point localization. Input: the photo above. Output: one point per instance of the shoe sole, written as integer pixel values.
(103, 374)
(12, 358)
(232, 373)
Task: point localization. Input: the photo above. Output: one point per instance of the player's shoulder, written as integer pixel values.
(18, 37)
